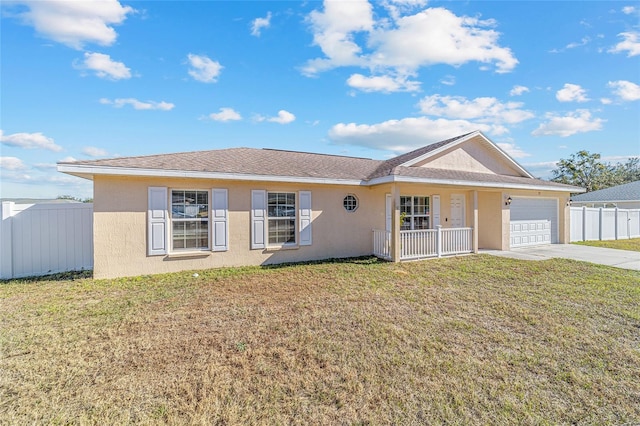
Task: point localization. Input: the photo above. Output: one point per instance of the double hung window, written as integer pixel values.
(189, 220)
(281, 214)
(414, 211)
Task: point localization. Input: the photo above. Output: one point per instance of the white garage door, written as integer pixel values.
(534, 221)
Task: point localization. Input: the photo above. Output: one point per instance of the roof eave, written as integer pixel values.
(88, 172)
(455, 182)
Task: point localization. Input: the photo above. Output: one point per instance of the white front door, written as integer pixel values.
(457, 211)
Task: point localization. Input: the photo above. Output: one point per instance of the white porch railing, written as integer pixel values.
(424, 243)
(418, 244)
(382, 244)
(456, 241)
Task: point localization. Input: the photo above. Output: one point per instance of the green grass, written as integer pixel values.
(470, 340)
(632, 244)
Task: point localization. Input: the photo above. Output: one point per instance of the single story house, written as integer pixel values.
(242, 206)
(625, 196)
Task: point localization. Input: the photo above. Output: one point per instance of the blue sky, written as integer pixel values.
(94, 79)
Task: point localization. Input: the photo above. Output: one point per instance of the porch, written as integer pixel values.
(424, 243)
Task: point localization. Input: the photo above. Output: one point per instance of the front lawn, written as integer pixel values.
(632, 244)
(469, 340)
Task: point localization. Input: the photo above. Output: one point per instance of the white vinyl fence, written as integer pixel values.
(589, 223)
(41, 239)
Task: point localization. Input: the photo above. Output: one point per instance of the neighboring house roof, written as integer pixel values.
(291, 166)
(625, 192)
(38, 200)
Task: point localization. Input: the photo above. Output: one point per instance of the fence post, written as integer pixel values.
(584, 223)
(615, 223)
(600, 224)
(439, 240)
(6, 241)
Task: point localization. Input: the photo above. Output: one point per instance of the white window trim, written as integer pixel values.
(413, 215)
(303, 220)
(295, 219)
(356, 205)
(170, 220)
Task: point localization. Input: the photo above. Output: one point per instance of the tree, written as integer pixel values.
(71, 197)
(584, 169)
(629, 171)
(588, 171)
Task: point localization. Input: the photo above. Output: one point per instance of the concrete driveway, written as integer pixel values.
(602, 256)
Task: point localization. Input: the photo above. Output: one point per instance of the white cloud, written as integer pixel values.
(29, 141)
(405, 134)
(518, 90)
(448, 80)
(75, 23)
(437, 36)
(349, 35)
(513, 150)
(104, 66)
(383, 83)
(606, 101)
(12, 164)
(95, 152)
(484, 109)
(432, 36)
(283, 117)
(139, 105)
(333, 31)
(630, 44)
(225, 114)
(204, 69)
(572, 93)
(584, 41)
(579, 121)
(628, 10)
(259, 23)
(626, 90)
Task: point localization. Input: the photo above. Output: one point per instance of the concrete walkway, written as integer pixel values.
(603, 256)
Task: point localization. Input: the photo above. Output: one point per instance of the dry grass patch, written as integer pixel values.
(632, 244)
(480, 339)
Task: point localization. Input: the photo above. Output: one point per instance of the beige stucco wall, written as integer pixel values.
(120, 226)
(120, 222)
(490, 227)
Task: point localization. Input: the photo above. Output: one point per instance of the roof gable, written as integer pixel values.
(472, 152)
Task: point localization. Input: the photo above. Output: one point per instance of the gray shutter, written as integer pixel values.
(219, 220)
(157, 221)
(304, 198)
(258, 218)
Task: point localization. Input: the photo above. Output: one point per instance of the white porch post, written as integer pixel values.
(395, 224)
(475, 222)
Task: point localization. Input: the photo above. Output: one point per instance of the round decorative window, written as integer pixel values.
(350, 203)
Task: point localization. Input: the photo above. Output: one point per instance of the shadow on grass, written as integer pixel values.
(362, 260)
(60, 276)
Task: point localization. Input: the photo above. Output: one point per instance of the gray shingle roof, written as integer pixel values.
(261, 162)
(625, 192)
(293, 164)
